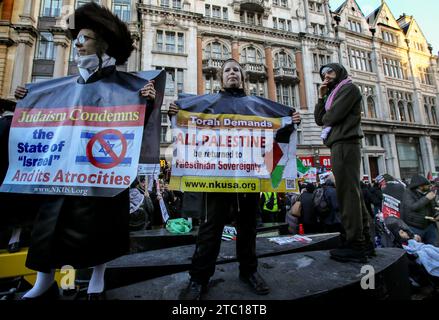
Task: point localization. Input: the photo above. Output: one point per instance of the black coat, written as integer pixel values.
(415, 206)
(80, 231)
(16, 210)
(308, 215)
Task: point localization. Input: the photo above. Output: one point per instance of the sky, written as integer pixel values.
(424, 12)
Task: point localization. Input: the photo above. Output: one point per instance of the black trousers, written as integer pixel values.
(346, 161)
(217, 207)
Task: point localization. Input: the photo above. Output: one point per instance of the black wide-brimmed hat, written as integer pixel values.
(109, 27)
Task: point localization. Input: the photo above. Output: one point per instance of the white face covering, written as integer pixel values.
(89, 64)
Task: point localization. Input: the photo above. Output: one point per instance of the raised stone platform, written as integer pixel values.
(295, 276)
(151, 264)
(146, 240)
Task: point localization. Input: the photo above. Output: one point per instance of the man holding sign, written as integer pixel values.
(78, 141)
(231, 147)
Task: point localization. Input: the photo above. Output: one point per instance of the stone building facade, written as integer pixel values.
(281, 45)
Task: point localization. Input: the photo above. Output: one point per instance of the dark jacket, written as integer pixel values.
(16, 210)
(415, 207)
(309, 214)
(80, 231)
(367, 196)
(331, 196)
(345, 115)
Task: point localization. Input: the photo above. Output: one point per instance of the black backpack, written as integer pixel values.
(321, 204)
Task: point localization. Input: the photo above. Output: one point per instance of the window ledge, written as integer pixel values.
(170, 53)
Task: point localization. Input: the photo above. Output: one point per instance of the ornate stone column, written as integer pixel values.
(301, 74)
(270, 73)
(200, 82)
(61, 44)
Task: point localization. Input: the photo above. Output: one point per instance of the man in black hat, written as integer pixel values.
(85, 231)
(339, 110)
(418, 209)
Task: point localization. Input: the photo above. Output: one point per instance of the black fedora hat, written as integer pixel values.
(108, 26)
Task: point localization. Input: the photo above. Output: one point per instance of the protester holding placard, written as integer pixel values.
(88, 231)
(216, 205)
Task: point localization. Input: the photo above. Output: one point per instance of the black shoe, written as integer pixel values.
(256, 282)
(14, 247)
(370, 250)
(51, 294)
(96, 296)
(193, 291)
(349, 253)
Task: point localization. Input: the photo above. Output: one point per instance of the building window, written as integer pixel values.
(284, 3)
(404, 103)
(430, 110)
(82, 2)
(427, 114)
(211, 85)
(216, 12)
(401, 111)
(169, 41)
(315, 6)
(51, 8)
(164, 135)
(434, 115)
(285, 94)
(207, 10)
(409, 156)
(251, 55)
(393, 68)
(256, 88)
(354, 26)
(389, 37)
(392, 110)
(174, 81)
(164, 118)
(216, 50)
(176, 4)
(225, 13)
(283, 60)
(250, 18)
(360, 60)
(320, 60)
(371, 111)
(122, 8)
(435, 146)
(274, 23)
(368, 101)
(410, 112)
(371, 140)
(40, 78)
(425, 75)
(45, 49)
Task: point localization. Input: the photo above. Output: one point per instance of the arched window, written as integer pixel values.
(371, 112)
(410, 112)
(427, 114)
(216, 50)
(251, 55)
(434, 115)
(392, 110)
(401, 110)
(283, 60)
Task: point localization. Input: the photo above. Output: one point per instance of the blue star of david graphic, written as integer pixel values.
(111, 145)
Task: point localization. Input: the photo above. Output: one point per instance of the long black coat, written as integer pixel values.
(80, 231)
(16, 210)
